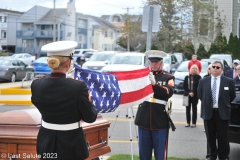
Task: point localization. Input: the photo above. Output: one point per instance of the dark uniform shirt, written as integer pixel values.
(61, 100)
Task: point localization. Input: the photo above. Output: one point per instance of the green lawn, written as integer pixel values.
(135, 157)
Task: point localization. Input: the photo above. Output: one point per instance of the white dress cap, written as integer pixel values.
(59, 48)
(155, 55)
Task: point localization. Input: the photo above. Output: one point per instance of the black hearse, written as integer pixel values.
(234, 125)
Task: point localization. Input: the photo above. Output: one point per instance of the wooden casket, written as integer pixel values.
(19, 129)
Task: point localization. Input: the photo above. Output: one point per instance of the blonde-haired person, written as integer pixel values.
(208, 70)
(63, 102)
(237, 78)
(190, 89)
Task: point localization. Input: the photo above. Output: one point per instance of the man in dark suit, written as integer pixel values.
(216, 93)
(232, 73)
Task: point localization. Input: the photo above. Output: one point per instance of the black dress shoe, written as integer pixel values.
(210, 159)
(223, 158)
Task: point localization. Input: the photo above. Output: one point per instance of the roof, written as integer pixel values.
(102, 23)
(60, 13)
(7, 10)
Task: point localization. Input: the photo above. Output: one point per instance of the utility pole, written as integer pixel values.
(128, 45)
(54, 22)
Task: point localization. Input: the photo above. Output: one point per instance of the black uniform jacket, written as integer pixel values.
(153, 115)
(61, 100)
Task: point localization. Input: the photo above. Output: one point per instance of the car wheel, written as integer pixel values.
(13, 77)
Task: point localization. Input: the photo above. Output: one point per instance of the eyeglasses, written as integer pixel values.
(216, 67)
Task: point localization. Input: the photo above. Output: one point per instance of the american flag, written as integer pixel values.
(111, 90)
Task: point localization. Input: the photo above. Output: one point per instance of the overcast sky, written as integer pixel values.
(91, 7)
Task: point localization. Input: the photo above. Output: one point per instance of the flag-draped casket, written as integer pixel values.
(19, 129)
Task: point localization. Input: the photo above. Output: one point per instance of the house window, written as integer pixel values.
(111, 35)
(105, 47)
(0, 18)
(203, 29)
(4, 35)
(106, 33)
(5, 19)
(42, 27)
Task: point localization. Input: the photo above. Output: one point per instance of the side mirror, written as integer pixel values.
(173, 62)
(106, 62)
(173, 70)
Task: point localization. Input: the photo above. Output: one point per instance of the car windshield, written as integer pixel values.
(227, 58)
(101, 57)
(42, 60)
(179, 57)
(166, 60)
(4, 63)
(17, 56)
(183, 67)
(134, 60)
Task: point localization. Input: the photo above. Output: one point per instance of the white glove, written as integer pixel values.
(152, 78)
(70, 73)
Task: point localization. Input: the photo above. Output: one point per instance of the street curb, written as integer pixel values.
(15, 90)
(16, 102)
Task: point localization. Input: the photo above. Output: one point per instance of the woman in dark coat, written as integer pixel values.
(190, 89)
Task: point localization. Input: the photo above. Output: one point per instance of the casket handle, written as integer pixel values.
(103, 142)
(88, 145)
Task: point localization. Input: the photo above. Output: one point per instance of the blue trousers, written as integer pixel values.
(152, 140)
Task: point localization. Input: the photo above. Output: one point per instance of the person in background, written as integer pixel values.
(190, 85)
(232, 73)
(208, 70)
(151, 118)
(216, 93)
(195, 61)
(237, 78)
(63, 103)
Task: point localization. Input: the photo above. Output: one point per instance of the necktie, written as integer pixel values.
(214, 89)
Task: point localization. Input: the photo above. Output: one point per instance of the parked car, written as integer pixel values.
(227, 57)
(99, 60)
(40, 65)
(78, 53)
(85, 57)
(170, 63)
(24, 57)
(180, 57)
(182, 71)
(226, 66)
(13, 70)
(234, 124)
(126, 61)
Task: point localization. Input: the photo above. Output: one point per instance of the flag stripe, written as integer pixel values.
(136, 95)
(134, 84)
(131, 104)
(128, 75)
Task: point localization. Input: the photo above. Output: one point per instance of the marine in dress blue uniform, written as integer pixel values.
(152, 118)
(63, 103)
